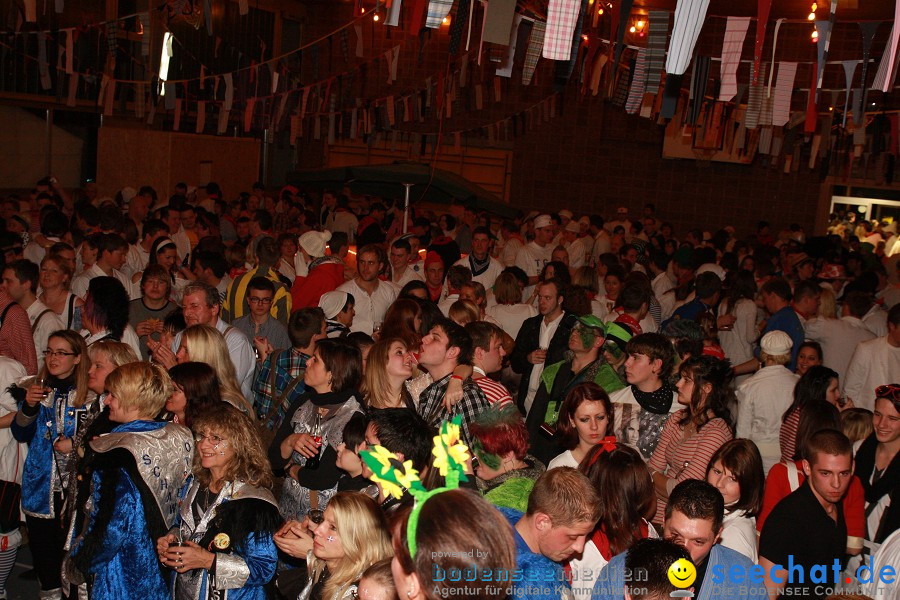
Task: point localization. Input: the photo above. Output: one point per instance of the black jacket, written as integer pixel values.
(527, 342)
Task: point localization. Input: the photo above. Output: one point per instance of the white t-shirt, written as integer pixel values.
(511, 316)
(370, 309)
(532, 259)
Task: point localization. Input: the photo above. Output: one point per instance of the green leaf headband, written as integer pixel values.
(450, 456)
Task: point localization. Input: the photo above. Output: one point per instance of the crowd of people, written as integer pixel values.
(323, 397)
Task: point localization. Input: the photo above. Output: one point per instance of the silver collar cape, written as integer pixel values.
(163, 458)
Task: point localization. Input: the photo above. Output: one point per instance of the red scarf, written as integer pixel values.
(602, 542)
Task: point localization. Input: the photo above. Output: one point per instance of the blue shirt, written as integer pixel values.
(537, 576)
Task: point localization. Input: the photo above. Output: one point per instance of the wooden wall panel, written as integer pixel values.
(135, 157)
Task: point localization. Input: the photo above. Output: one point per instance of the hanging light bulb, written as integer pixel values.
(445, 21)
(815, 35)
(600, 11)
(633, 29)
(362, 10)
(815, 7)
(640, 24)
(375, 17)
(811, 16)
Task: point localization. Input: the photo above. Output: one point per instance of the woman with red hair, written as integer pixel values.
(505, 471)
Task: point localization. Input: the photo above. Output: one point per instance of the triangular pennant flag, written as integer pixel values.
(849, 71)
(867, 30)
(762, 18)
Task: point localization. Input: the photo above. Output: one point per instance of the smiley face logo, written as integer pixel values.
(682, 573)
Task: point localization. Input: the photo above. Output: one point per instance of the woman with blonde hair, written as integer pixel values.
(390, 364)
(56, 280)
(463, 312)
(227, 517)
(202, 343)
(510, 312)
(136, 469)
(352, 536)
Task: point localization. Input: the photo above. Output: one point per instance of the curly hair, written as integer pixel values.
(718, 374)
(250, 463)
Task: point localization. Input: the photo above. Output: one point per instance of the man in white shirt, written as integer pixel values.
(139, 254)
(602, 239)
(53, 228)
(537, 253)
(373, 296)
(111, 250)
(20, 278)
(839, 337)
(171, 216)
(402, 272)
(538, 344)
(484, 268)
(457, 276)
(512, 244)
(874, 363)
(201, 305)
(574, 245)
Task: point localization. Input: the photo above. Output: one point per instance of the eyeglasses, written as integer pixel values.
(215, 439)
(58, 353)
(890, 391)
(254, 300)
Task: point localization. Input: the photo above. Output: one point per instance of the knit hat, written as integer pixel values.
(128, 194)
(776, 343)
(541, 221)
(314, 242)
(712, 268)
(332, 303)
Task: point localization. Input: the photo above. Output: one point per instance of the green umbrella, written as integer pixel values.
(408, 180)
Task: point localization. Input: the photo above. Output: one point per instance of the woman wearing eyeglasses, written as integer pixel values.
(878, 467)
(52, 407)
(223, 546)
(137, 471)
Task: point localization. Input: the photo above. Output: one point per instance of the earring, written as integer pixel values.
(409, 593)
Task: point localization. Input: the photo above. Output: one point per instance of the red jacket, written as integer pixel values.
(321, 279)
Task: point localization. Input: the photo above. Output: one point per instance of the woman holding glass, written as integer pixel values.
(305, 446)
(52, 407)
(223, 545)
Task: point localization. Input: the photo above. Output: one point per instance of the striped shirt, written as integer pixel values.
(679, 458)
(235, 305)
(495, 392)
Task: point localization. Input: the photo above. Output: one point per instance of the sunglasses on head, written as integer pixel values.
(890, 391)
